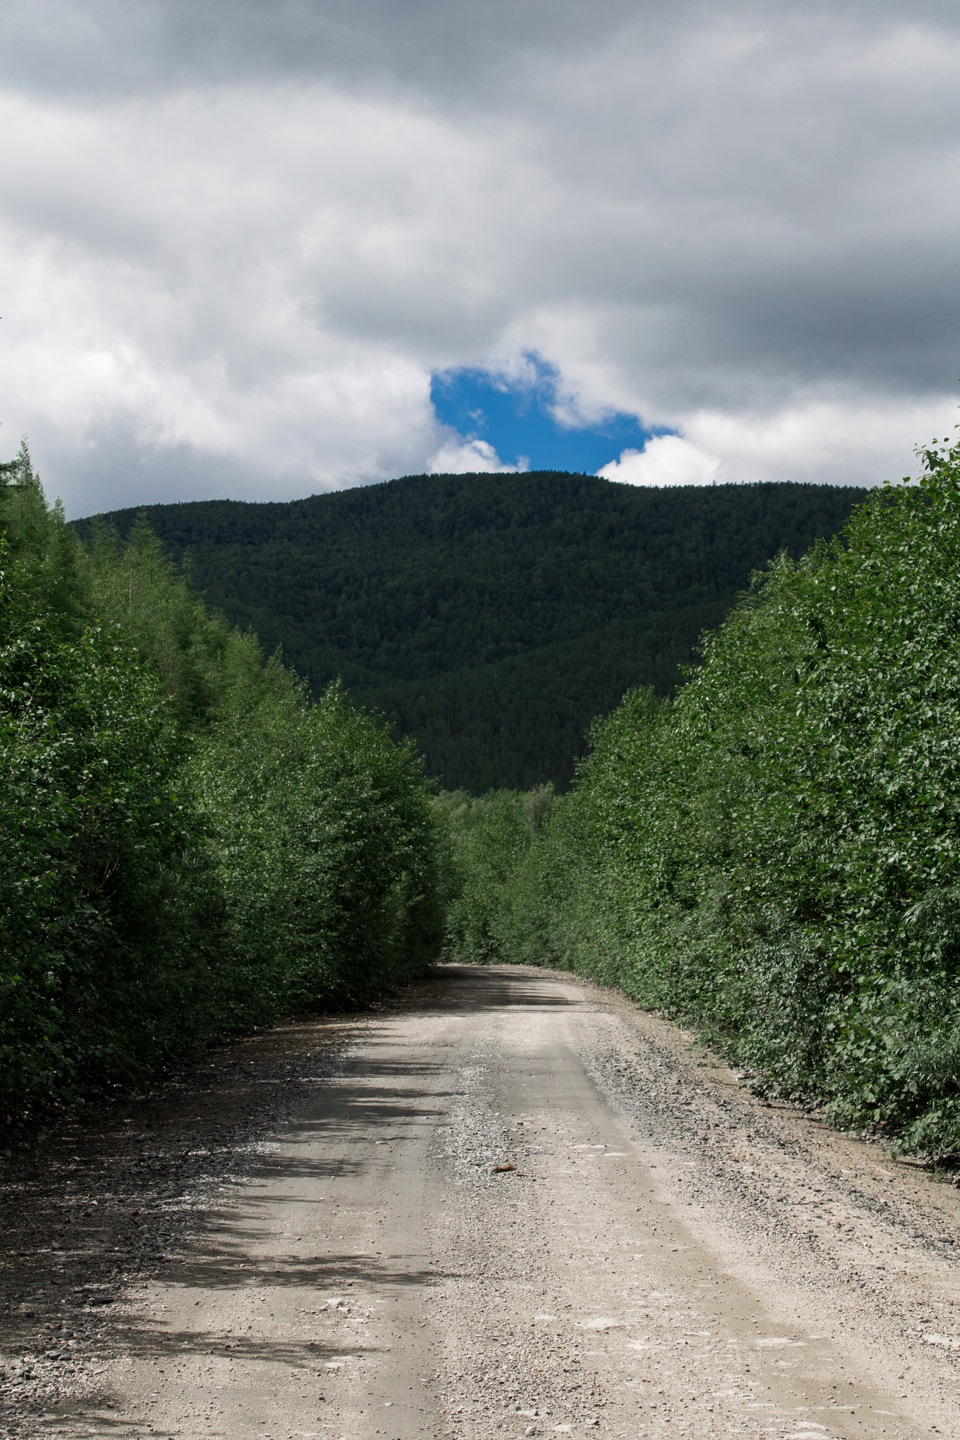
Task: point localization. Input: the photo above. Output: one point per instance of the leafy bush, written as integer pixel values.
(489, 913)
(327, 846)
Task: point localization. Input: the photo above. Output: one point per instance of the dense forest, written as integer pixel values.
(490, 617)
(773, 855)
(190, 844)
(527, 716)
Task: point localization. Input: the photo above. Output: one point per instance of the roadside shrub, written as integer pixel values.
(326, 844)
(104, 887)
(774, 856)
(189, 845)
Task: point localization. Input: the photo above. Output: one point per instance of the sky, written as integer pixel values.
(264, 251)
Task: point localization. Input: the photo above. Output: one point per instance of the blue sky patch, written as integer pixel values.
(516, 418)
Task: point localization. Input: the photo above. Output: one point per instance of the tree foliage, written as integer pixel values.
(189, 844)
(774, 855)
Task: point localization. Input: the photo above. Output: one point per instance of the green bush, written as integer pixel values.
(487, 917)
(327, 847)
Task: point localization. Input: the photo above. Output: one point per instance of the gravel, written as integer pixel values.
(506, 1204)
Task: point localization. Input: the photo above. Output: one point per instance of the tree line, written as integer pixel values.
(191, 844)
(773, 855)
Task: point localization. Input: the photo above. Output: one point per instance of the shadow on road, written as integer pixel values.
(141, 1191)
(476, 988)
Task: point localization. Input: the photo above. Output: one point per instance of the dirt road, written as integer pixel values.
(512, 1206)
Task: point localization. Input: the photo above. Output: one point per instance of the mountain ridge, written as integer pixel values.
(417, 581)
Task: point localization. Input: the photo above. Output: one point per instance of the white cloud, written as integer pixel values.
(664, 460)
(848, 442)
(470, 457)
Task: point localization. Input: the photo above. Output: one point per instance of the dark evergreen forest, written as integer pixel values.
(491, 618)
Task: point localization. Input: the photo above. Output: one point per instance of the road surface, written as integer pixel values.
(521, 1207)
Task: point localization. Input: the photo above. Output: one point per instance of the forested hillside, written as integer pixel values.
(774, 854)
(189, 844)
(519, 719)
(490, 617)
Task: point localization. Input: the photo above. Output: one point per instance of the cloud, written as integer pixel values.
(120, 47)
(470, 457)
(664, 460)
(848, 441)
(843, 442)
(238, 241)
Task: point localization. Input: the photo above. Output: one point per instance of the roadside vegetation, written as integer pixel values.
(190, 845)
(773, 856)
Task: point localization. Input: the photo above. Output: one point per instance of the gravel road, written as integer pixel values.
(509, 1204)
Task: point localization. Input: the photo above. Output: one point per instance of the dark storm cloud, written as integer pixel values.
(113, 46)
